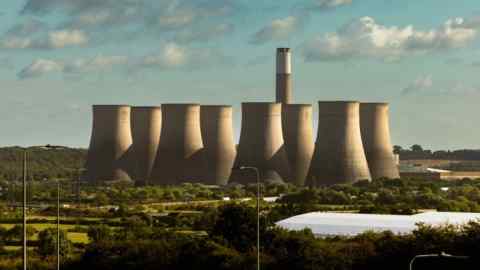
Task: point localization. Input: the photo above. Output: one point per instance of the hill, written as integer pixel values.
(42, 163)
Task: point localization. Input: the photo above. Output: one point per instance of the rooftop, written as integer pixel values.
(348, 224)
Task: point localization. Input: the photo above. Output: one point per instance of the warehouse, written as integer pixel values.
(348, 224)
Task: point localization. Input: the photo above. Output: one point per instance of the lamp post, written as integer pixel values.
(48, 146)
(24, 208)
(258, 209)
(440, 255)
(24, 205)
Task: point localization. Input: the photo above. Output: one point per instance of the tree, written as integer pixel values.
(237, 225)
(15, 233)
(397, 149)
(416, 148)
(47, 243)
(99, 233)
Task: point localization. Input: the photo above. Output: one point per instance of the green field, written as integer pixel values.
(75, 237)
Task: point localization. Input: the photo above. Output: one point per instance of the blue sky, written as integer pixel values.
(58, 57)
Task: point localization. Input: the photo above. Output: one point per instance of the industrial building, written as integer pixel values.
(219, 145)
(298, 135)
(108, 154)
(179, 156)
(146, 123)
(324, 224)
(178, 143)
(375, 129)
(339, 156)
(261, 144)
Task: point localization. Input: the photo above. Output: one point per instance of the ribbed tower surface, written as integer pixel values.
(374, 122)
(339, 155)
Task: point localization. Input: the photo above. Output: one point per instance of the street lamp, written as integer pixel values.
(48, 146)
(258, 209)
(440, 255)
(24, 206)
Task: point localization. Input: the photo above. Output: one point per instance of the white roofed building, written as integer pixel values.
(348, 224)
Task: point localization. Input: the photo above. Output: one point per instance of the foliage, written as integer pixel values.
(47, 243)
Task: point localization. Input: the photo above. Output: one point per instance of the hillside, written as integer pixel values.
(42, 163)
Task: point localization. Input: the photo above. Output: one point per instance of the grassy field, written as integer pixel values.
(75, 237)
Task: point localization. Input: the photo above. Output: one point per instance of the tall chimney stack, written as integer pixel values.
(284, 78)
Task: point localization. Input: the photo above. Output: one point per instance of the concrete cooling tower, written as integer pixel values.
(376, 140)
(108, 157)
(219, 146)
(146, 123)
(261, 144)
(298, 136)
(179, 157)
(339, 156)
(284, 78)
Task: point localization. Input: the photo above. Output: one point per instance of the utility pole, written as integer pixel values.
(58, 225)
(24, 209)
(258, 209)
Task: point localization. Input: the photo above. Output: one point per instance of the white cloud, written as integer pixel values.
(175, 56)
(52, 40)
(99, 63)
(185, 21)
(203, 33)
(66, 38)
(40, 67)
(364, 37)
(171, 56)
(279, 29)
(328, 4)
(420, 84)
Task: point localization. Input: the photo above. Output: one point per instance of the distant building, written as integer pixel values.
(438, 169)
(347, 224)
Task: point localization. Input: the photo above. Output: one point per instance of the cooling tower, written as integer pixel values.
(284, 80)
(376, 140)
(298, 135)
(110, 143)
(146, 125)
(219, 147)
(261, 143)
(339, 156)
(179, 157)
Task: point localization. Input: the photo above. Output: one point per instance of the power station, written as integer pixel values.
(375, 129)
(146, 123)
(179, 143)
(109, 151)
(339, 156)
(284, 76)
(298, 135)
(219, 145)
(261, 143)
(179, 156)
